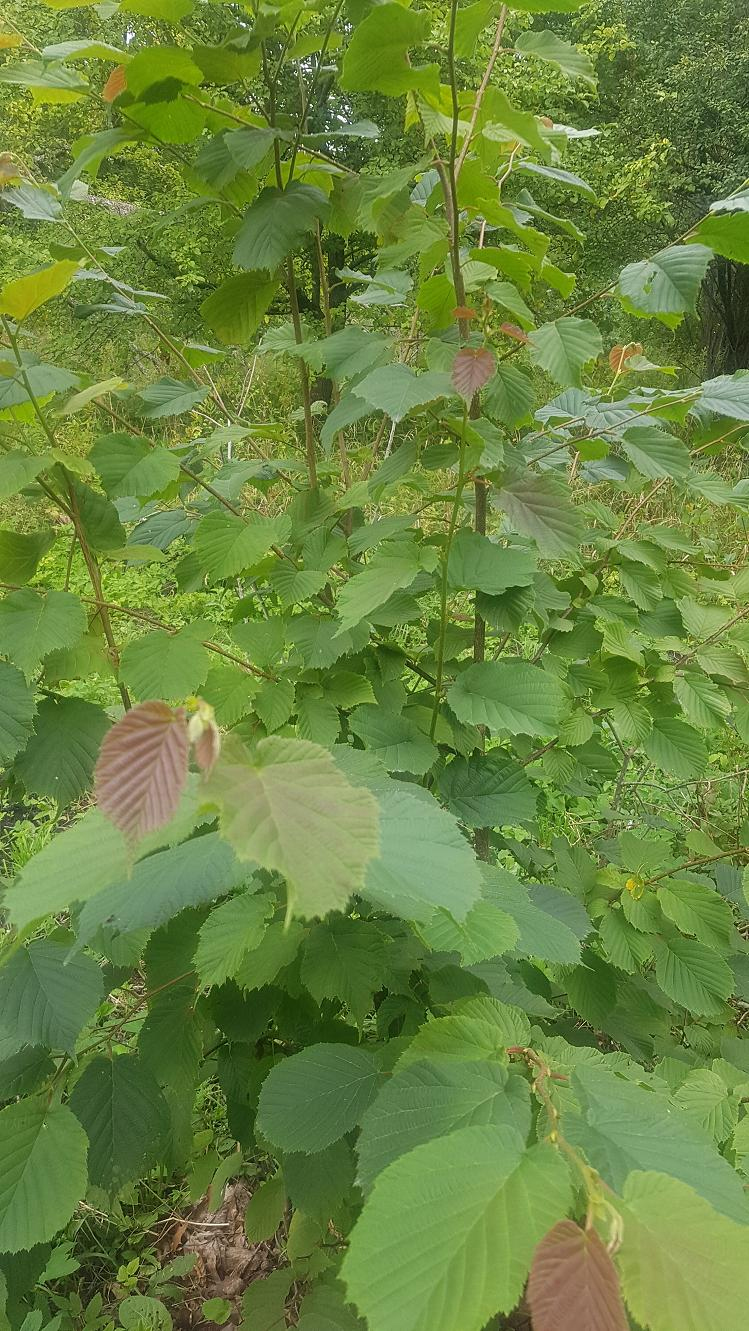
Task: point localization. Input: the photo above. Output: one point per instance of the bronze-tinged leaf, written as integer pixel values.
(472, 368)
(515, 332)
(464, 312)
(619, 355)
(142, 768)
(115, 84)
(573, 1283)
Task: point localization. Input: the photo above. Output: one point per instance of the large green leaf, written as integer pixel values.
(697, 909)
(625, 1127)
(726, 234)
(428, 1100)
(120, 1107)
(24, 295)
(397, 389)
(486, 932)
(344, 959)
(234, 311)
(487, 790)
(17, 469)
(377, 56)
(675, 747)
(542, 934)
(275, 224)
(58, 761)
(166, 665)
(33, 624)
(42, 1172)
(509, 396)
(666, 286)
(479, 1028)
(655, 453)
(227, 545)
(547, 46)
(162, 885)
(478, 564)
(540, 507)
(233, 929)
(508, 695)
(130, 466)
(46, 999)
(312, 1099)
(21, 553)
(79, 861)
(17, 711)
(448, 1235)
(683, 1266)
(396, 740)
(288, 806)
(693, 975)
(393, 566)
(563, 348)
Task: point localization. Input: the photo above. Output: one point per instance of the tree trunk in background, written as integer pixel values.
(724, 316)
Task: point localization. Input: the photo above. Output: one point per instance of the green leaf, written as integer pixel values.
(697, 909)
(426, 1100)
(33, 624)
(288, 806)
(485, 932)
(265, 1209)
(542, 935)
(130, 466)
(58, 761)
(319, 1184)
(24, 295)
(42, 1172)
(79, 861)
(704, 703)
(693, 975)
(625, 1127)
(541, 507)
(45, 999)
(726, 234)
(165, 665)
(310, 1100)
(563, 348)
(227, 545)
(344, 959)
(655, 453)
(162, 885)
(397, 389)
(377, 60)
(17, 711)
(275, 224)
(278, 948)
(509, 397)
(21, 553)
(547, 46)
(394, 565)
(675, 747)
(169, 397)
(478, 1028)
(487, 790)
(396, 740)
(464, 1211)
(21, 1073)
(704, 1098)
(682, 1265)
(728, 395)
(120, 1107)
(664, 287)
(235, 310)
(507, 695)
(17, 470)
(478, 564)
(231, 930)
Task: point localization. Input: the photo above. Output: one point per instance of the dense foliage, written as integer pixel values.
(391, 699)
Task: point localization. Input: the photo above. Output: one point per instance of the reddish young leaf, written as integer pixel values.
(619, 355)
(513, 331)
(115, 84)
(464, 312)
(472, 368)
(142, 768)
(573, 1284)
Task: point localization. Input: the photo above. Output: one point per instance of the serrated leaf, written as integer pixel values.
(665, 287)
(655, 453)
(697, 909)
(44, 1000)
(487, 790)
(563, 348)
(142, 769)
(472, 369)
(542, 935)
(466, 1212)
(509, 396)
(393, 566)
(396, 740)
(478, 564)
(42, 1172)
(541, 507)
(704, 702)
(231, 931)
(165, 665)
(21, 553)
(265, 1209)
(507, 695)
(426, 1100)
(344, 959)
(573, 1284)
(17, 470)
(706, 1102)
(310, 1100)
(547, 46)
(397, 389)
(485, 932)
(131, 466)
(275, 223)
(58, 761)
(376, 58)
(693, 975)
(119, 1105)
(33, 624)
(25, 294)
(227, 545)
(625, 1127)
(682, 1265)
(79, 861)
(288, 806)
(478, 1028)
(169, 397)
(675, 747)
(17, 711)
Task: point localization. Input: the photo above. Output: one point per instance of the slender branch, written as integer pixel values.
(454, 514)
(484, 84)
